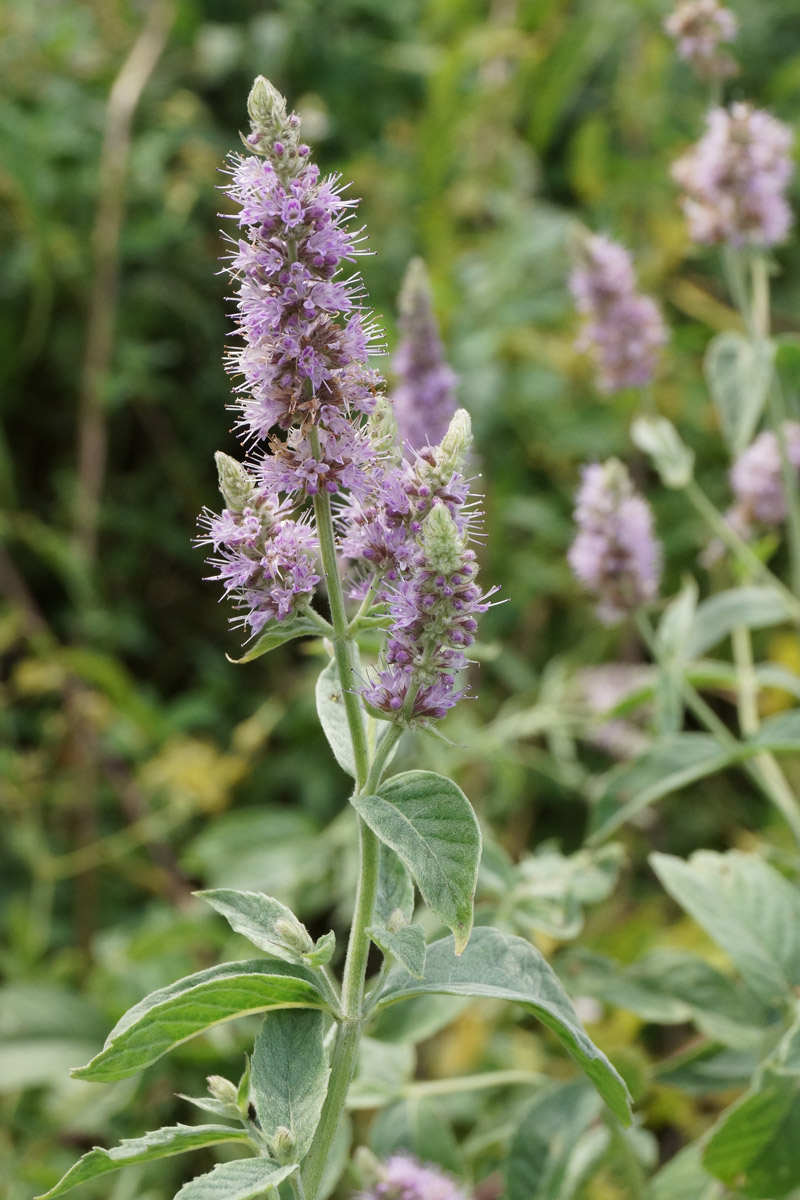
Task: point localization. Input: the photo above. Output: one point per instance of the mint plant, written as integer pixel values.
(328, 493)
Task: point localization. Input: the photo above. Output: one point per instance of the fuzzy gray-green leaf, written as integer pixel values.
(161, 1143)
(406, 944)
(289, 1074)
(507, 968)
(429, 823)
(244, 1179)
(176, 1013)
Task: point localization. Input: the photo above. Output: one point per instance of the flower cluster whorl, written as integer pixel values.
(424, 394)
(265, 560)
(735, 179)
(757, 480)
(432, 622)
(403, 1178)
(623, 329)
(614, 554)
(698, 27)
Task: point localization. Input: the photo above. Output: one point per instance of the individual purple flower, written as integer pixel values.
(698, 27)
(432, 619)
(403, 1178)
(735, 178)
(757, 480)
(622, 329)
(614, 554)
(424, 393)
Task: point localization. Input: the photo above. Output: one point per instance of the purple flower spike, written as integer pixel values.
(403, 1178)
(433, 612)
(623, 329)
(424, 395)
(615, 554)
(757, 481)
(735, 178)
(698, 27)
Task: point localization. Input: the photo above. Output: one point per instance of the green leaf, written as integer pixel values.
(383, 1071)
(395, 888)
(543, 1143)
(678, 760)
(161, 1143)
(289, 1074)
(333, 717)
(323, 950)
(717, 617)
(255, 916)
(660, 441)
(244, 1179)
(276, 635)
(508, 968)
(672, 638)
(429, 823)
(708, 1067)
(418, 1126)
(406, 944)
(683, 1177)
(674, 762)
(739, 373)
(418, 1018)
(754, 1147)
(176, 1013)
(671, 987)
(748, 908)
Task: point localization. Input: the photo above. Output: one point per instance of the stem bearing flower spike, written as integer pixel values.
(424, 394)
(614, 554)
(698, 27)
(622, 329)
(735, 178)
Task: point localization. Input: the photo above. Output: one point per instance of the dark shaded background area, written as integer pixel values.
(476, 134)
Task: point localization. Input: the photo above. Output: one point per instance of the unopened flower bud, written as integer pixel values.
(383, 431)
(455, 444)
(442, 544)
(266, 106)
(294, 935)
(283, 1145)
(234, 482)
(397, 920)
(223, 1090)
(369, 1168)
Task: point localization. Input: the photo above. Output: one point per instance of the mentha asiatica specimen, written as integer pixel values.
(622, 329)
(699, 27)
(615, 554)
(757, 480)
(735, 178)
(424, 392)
(311, 415)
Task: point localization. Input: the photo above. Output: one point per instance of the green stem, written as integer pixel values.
(343, 645)
(298, 1191)
(775, 789)
(368, 777)
(738, 546)
(777, 412)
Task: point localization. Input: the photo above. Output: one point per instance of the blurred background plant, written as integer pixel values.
(136, 763)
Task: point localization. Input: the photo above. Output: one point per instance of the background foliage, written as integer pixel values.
(136, 763)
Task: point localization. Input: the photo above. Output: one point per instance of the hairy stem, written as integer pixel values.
(368, 777)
